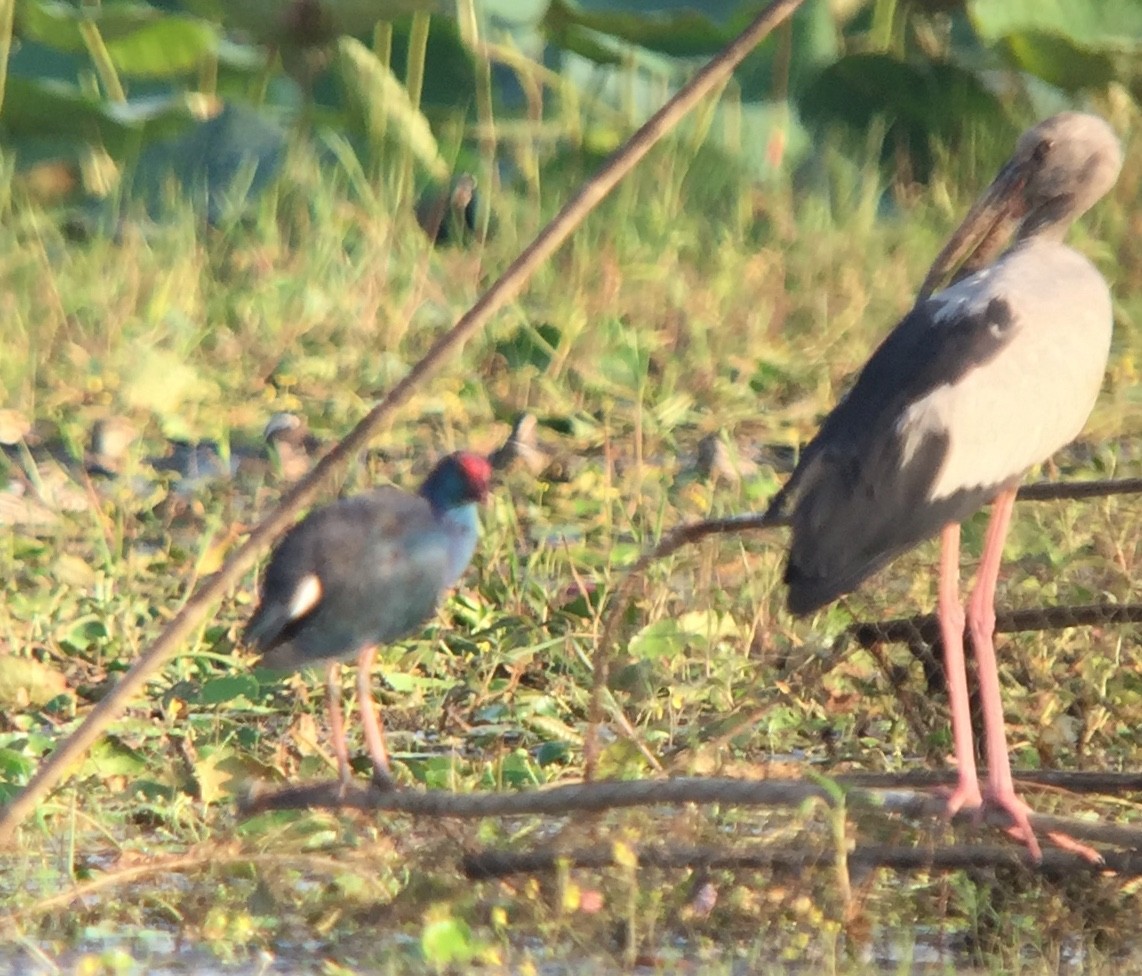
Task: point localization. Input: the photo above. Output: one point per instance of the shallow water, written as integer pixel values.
(154, 960)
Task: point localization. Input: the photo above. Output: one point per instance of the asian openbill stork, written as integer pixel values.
(977, 383)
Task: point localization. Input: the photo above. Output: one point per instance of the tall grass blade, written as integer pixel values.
(386, 107)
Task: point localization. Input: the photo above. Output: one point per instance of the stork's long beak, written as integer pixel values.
(987, 227)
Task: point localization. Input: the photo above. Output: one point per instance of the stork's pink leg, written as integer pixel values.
(337, 722)
(370, 718)
(951, 616)
(981, 620)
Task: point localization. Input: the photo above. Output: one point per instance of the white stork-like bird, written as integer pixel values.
(978, 383)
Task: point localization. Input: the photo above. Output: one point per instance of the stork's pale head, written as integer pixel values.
(1064, 166)
(1059, 170)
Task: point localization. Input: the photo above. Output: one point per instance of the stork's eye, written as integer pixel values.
(1042, 150)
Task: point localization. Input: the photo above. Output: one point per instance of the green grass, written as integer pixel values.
(690, 303)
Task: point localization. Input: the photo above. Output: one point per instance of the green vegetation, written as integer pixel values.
(693, 302)
(656, 326)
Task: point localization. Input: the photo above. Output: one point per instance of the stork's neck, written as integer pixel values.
(1046, 223)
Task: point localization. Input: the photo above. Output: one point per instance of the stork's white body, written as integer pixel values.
(1035, 396)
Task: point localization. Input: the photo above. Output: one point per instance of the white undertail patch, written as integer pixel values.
(305, 597)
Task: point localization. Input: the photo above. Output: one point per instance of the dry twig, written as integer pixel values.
(488, 864)
(595, 797)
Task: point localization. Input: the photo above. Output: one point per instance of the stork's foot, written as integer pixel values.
(966, 796)
(1021, 830)
(1066, 842)
(382, 778)
(1020, 815)
(344, 778)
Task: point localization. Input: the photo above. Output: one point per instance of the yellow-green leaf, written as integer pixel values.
(25, 681)
(384, 105)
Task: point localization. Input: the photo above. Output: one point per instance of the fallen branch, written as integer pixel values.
(1049, 491)
(1084, 782)
(599, 796)
(490, 864)
(926, 627)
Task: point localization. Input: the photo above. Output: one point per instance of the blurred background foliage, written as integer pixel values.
(126, 101)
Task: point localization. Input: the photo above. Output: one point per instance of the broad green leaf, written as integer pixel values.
(75, 571)
(922, 104)
(221, 770)
(449, 67)
(84, 631)
(1059, 60)
(56, 24)
(404, 682)
(673, 635)
(110, 757)
(800, 48)
(217, 691)
(552, 752)
(681, 33)
(530, 345)
(516, 770)
(708, 625)
(383, 105)
(659, 639)
(1089, 22)
(603, 32)
(552, 727)
(38, 108)
(1074, 46)
(721, 12)
(15, 766)
(358, 16)
(165, 48)
(140, 40)
(279, 21)
(446, 941)
(585, 43)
